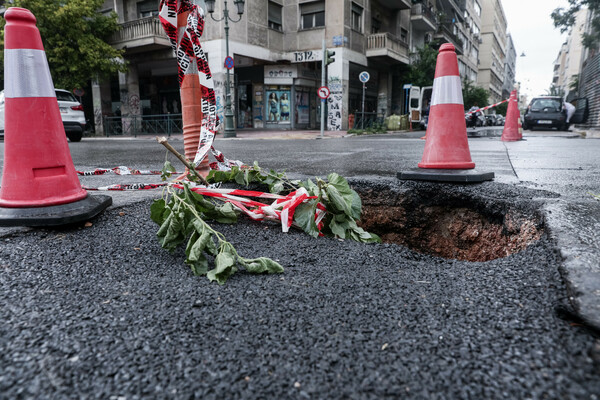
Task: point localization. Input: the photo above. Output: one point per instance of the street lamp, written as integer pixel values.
(210, 7)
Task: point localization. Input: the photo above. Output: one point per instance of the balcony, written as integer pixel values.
(387, 48)
(445, 34)
(396, 4)
(422, 18)
(140, 35)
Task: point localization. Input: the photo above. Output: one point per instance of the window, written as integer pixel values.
(357, 12)
(312, 14)
(275, 20)
(375, 26)
(403, 35)
(477, 8)
(147, 8)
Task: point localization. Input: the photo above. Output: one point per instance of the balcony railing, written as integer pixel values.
(140, 32)
(445, 31)
(423, 10)
(386, 44)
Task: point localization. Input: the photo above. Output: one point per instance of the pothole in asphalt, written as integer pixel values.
(449, 222)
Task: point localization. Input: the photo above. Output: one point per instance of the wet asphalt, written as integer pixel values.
(103, 312)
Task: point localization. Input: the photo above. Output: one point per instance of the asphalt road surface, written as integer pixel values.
(103, 312)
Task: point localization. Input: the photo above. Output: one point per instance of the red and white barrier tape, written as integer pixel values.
(186, 45)
(121, 170)
(129, 186)
(487, 107)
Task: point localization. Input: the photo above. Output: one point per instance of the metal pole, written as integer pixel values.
(229, 128)
(362, 122)
(323, 69)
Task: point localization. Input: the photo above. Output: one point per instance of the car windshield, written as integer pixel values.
(65, 96)
(542, 104)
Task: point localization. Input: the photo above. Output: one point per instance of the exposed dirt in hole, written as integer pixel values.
(450, 225)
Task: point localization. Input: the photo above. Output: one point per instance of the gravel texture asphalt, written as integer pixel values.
(103, 312)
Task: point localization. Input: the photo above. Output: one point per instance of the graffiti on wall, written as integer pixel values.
(334, 104)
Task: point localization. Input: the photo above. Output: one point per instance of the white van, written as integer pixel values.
(419, 99)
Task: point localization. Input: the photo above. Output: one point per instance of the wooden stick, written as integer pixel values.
(163, 140)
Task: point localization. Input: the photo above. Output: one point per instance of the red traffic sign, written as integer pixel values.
(78, 92)
(229, 62)
(323, 92)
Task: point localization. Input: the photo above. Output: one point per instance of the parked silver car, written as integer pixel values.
(71, 112)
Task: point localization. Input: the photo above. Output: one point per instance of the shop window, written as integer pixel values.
(278, 104)
(147, 8)
(275, 16)
(357, 13)
(312, 14)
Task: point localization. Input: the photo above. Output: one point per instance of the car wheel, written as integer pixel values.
(75, 136)
(524, 126)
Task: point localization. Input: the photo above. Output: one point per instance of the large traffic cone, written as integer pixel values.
(446, 156)
(191, 110)
(40, 186)
(447, 145)
(511, 132)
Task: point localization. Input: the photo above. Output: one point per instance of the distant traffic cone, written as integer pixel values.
(446, 156)
(447, 145)
(512, 124)
(40, 186)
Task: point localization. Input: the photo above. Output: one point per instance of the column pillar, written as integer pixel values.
(102, 104)
(129, 90)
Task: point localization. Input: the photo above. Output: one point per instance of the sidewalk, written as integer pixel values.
(243, 134)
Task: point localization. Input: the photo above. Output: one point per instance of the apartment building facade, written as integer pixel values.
(510, 68)
(589, 78)
(277, 50)
(469, 34)
(567, 65)
(492, 51)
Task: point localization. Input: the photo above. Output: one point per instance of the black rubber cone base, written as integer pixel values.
(62, 214)
(446, 175)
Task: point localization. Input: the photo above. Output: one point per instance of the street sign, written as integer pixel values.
(364, 77)
(78, 92)
(229, 62)
(323, 92)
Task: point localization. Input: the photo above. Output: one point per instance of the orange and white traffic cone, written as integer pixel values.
(447, 146)
(512, 125)
(446, 156)
(191, 110)
(40, 186)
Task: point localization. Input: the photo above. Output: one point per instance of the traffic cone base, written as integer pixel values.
(40, 186)
(63, 214)
(446, 175)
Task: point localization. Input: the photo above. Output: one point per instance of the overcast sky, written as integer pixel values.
(533, 33)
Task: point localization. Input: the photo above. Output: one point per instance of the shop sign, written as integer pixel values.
(280, 74)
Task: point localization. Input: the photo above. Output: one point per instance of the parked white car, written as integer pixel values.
(71, 112)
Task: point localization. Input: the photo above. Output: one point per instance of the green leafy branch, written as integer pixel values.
(333, 210)
(182, 217)
(342, 204)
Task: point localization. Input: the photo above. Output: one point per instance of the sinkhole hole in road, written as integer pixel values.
(453, 224)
